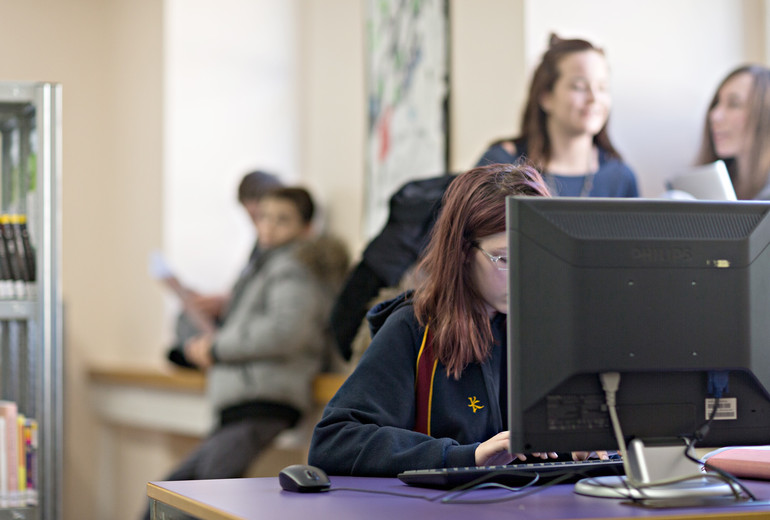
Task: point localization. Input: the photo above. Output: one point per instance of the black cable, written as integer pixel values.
(468, 486)
(380, 492)
(449, 497)
(488, 476)
(699, 435)
(517, 496)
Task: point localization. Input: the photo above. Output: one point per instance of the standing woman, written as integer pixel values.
(737, 130)
(377, 424)
(564, 126)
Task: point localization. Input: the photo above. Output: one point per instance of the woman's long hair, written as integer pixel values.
(534, 127)
(445, 296)
(755, 161)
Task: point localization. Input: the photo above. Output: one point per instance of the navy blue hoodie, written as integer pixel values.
(367, 427)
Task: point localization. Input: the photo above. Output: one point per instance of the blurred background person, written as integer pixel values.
(208, 308)
(261, 361)
(251, 189)
(564, 126)
(737, 130)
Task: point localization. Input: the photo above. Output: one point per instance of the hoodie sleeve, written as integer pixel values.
(366, 429)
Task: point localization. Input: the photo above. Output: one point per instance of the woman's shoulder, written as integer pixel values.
(503, 151)
(613, 165)
(507, 145)
(612, 161)
(616, 177)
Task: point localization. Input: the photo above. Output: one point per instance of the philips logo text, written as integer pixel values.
(661, 255)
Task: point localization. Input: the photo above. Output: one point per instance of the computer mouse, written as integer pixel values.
(302, 478)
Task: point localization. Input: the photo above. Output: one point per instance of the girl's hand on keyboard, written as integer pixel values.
(494, 452)
(545, 455)
(585, 455)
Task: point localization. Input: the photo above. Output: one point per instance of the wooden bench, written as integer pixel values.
(172, 378)
(172, 400)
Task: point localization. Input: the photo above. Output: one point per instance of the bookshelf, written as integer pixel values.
(30, 298)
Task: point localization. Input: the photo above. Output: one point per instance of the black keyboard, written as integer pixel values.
(514, 475)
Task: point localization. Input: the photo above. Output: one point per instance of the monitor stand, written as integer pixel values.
(649, 464)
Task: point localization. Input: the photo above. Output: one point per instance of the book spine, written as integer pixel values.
(18, 269)
(21, 461)
(30, 452)
(6, 278)
(3, 464)
(9, 410)
(29, 256)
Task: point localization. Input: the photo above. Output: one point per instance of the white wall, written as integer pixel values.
(488, 80)
(231, 105)
(333, 112)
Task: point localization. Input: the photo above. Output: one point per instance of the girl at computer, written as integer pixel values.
(564, 125)
(737, 130)
(430, 391)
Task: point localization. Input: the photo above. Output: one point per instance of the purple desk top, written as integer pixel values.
(261, 498)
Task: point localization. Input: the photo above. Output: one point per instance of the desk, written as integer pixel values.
(262, 498)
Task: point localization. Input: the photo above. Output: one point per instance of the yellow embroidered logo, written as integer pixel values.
(475, 406)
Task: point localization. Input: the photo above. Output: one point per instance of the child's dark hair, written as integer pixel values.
(300, 197)
(255, 185)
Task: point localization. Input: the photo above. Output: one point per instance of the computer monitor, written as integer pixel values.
(672, 295)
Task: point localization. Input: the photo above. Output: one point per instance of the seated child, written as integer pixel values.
(260, 363)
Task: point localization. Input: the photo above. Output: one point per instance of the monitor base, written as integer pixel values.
(620, 487)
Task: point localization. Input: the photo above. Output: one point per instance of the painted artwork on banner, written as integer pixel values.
(407, 92)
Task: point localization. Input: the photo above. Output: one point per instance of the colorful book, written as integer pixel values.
(21, 460)
(30, 439)
(9, 493)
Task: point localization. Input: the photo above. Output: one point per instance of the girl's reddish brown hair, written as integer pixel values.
(473, 208)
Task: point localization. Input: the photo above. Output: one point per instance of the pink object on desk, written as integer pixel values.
(743, 462)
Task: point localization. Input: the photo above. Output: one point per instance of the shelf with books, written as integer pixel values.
(30, 300)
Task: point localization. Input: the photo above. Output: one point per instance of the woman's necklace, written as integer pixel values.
(588, 178)
(588, 183)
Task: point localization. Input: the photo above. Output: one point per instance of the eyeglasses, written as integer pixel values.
(501, 261)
